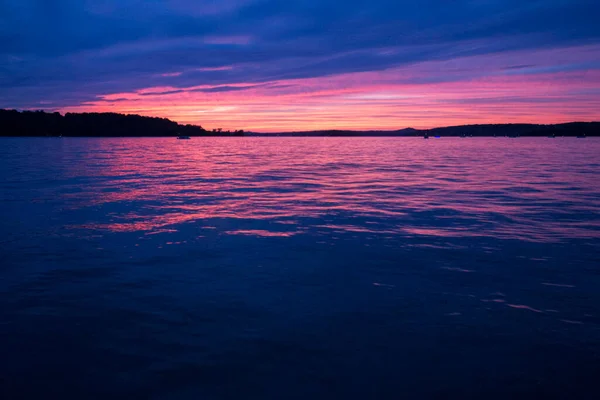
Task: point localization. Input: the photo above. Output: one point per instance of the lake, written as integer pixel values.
(300, 268)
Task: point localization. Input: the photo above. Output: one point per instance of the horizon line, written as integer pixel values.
(369, 130)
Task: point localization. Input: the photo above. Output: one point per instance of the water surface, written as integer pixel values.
(295, 268)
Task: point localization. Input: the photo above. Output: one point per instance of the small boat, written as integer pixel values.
(426, 137)
(553, 136)
(437, 137)
(183, 137)
(581, 137)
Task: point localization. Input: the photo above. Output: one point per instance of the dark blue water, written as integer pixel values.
(299, 268)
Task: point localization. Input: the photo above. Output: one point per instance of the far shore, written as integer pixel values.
(15, 123)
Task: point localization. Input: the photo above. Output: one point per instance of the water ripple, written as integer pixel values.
(403, 186)
(133, 267)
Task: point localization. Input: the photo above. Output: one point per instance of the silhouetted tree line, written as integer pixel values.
(568, 129)
(499, 130)
(41, 123)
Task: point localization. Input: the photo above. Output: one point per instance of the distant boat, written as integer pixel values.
(463, 136)
(581, 136)
(426, 136)
(437, 137)
(553, 136)
(183, 137)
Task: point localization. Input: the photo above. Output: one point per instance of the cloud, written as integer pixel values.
(70, 52)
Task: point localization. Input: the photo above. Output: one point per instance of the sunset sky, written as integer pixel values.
(276, 65)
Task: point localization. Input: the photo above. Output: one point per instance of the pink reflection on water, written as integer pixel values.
(457, 269)
(562, 285)
(260, 233)
(525, 189)
(383, 285)
(524, 307)
(568, 321)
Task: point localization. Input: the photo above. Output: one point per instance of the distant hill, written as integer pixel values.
(340, 133)
(568, 129)
(40, 123)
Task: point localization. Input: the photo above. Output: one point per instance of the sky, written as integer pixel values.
(293, 65)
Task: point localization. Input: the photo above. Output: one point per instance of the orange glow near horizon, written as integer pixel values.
(386, 100)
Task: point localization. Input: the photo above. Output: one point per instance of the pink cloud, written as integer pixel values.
(172, 74)
(210, 69)
(228, 40)
(469, 90)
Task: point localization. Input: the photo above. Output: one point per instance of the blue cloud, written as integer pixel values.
(70, 51)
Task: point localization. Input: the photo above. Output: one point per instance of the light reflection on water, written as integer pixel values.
(326, 264)
(527, 189)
